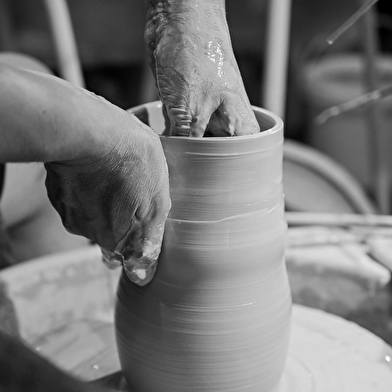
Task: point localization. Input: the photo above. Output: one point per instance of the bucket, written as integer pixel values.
(216, 316)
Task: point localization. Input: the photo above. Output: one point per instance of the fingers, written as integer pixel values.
(138, 255)
(181, 121)
(141, 248)
(199, 124)
(234, 117)
(224, 122)
(228, 120)
(140, 266)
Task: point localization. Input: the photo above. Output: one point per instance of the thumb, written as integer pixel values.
(199, 124)
(140, 250)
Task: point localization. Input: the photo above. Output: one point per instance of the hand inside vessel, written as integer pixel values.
(196, 73)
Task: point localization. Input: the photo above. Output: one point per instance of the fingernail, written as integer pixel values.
(140, 271)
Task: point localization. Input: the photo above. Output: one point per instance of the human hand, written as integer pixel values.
(117, 196)
(196, 73)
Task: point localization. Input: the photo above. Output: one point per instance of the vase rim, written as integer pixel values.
(278, 126)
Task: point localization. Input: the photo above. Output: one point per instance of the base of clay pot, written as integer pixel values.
(326, 353)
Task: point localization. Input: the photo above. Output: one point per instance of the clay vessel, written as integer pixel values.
(216, 317)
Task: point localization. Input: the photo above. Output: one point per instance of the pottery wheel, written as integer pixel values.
(326, 353)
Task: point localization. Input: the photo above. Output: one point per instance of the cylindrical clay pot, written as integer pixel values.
(216, 317)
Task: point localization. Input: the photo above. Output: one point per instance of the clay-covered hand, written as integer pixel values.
(196, 73)
(117, 195)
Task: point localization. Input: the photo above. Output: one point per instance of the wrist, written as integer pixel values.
(195, 12)
(102, 131)
(184, 3)
(173, 25)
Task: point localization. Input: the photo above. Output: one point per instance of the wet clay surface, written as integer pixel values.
(217, 314)
(325, 353)
(195, 69)
(87, 344)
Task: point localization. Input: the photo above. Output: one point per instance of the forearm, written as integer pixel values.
(200, 26)
(43, 118)
(196, 72)
(214, 3)
(201, 12)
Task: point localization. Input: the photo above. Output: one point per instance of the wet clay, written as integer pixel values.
(216, 317)
(193, 62)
